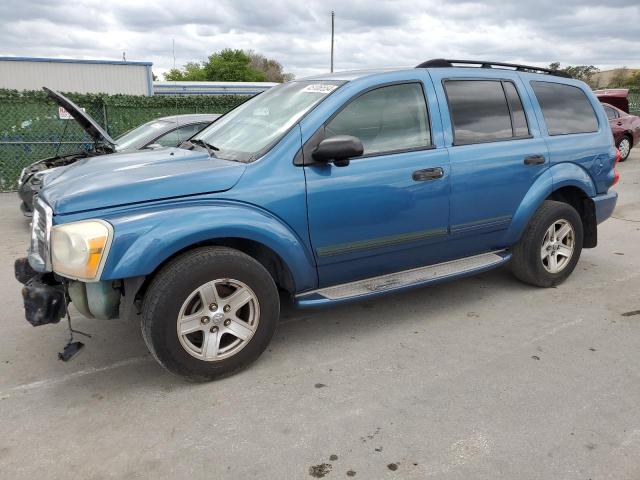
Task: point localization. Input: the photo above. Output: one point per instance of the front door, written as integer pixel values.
(388, 209)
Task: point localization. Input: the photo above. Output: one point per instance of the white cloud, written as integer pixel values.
(368, 33)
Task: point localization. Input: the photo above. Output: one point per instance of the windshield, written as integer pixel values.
(139, 136)
(246, 132)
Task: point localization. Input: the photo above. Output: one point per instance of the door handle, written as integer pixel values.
(534, 160)
(428, 174)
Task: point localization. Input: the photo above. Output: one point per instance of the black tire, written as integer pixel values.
(173, 285)
(628, 139)
(526, 262)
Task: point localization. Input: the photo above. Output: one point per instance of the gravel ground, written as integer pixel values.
(482, 378)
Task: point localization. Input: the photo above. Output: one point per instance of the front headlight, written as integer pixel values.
(79, 249)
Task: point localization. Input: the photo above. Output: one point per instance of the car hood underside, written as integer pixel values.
(127, 178)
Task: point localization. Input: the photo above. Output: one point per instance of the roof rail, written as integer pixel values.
(443, 63)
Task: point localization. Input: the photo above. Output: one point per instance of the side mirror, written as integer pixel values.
(338, 149)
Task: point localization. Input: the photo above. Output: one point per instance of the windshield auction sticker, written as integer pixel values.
(319, 88)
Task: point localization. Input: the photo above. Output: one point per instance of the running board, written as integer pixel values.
(401, 280)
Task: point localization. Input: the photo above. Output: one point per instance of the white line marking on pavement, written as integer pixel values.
(554, 330)
(27, 387)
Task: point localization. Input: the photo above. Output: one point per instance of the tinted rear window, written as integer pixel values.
(480, 111)
(566, 109)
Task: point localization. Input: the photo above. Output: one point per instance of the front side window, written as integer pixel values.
(179, 135)
(485, 111)
(139, 136)
(245, 133)
(386, 119)
(566, 109)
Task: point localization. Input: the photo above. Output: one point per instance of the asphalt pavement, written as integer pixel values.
(481, 378)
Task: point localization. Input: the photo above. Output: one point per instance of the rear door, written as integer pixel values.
(495, 149)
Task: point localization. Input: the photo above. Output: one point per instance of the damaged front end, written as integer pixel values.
(46, 294)
(46, 301)
(43, 294)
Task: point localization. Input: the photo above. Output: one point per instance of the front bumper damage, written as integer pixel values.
(46, 297)
(43, 295)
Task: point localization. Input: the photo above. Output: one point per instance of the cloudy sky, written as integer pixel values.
(371, 33)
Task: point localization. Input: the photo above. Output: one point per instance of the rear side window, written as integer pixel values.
(386, 119)
(485, 111)
(611, 113)
(566, 108)
(520, 127)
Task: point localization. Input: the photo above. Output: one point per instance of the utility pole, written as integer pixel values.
(333, 16)
(173, 49)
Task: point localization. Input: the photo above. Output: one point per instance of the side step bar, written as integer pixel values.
(401, 280)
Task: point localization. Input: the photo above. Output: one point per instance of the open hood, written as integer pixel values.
(89, 125)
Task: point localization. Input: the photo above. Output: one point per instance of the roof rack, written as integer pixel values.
(444, 63)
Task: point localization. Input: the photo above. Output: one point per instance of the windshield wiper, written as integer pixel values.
(209, 147)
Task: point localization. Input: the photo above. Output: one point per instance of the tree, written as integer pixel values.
(579, 72)
(192, 71)
(231, 65)
(273, 70)
(620, 78)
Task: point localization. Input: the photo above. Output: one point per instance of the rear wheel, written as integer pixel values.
(209, 313)
(550, 246)
(624, 146)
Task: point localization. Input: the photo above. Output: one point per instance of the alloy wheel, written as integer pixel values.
(218, 319)
(558, 245)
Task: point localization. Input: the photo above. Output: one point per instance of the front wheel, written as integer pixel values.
(210, 312)
(550, 246)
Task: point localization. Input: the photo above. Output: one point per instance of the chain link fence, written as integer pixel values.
(634, 103)
(32, 128)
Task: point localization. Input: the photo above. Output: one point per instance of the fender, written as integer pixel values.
(146, 237)
(541, 189)
(571, 175)
(557, 176)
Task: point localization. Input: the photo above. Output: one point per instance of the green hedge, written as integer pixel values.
(30, 128)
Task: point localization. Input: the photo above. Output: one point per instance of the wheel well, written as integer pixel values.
(264, 255)
(585, 207)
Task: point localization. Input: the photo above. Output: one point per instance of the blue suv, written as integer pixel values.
(328, 189)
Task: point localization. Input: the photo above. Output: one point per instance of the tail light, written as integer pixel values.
(616, 173)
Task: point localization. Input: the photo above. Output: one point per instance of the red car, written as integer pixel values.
(625, 128)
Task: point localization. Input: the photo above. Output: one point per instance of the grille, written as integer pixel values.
(39, 257)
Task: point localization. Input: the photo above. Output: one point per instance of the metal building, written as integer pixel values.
(79, 76)
(211, 88)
